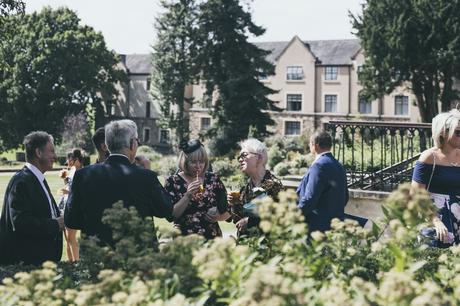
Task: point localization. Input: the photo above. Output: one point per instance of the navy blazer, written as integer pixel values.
(28, 233)
(97, 187)
(323, 193)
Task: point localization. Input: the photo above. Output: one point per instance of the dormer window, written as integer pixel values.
(330, 73)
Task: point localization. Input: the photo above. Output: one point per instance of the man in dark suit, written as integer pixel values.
(30, 223)
(323, 191)
(97, 187)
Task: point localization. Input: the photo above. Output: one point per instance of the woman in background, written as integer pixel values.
(438, 171)
(74, 163)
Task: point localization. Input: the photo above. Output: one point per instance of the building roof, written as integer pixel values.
(139, 63)
(328, 52)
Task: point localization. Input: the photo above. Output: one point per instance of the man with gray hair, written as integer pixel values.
(96, 188)
(30, 224)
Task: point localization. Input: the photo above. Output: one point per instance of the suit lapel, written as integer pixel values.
(42, 200)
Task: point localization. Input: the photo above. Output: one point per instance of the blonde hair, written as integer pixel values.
(443, 127)
(199, 154)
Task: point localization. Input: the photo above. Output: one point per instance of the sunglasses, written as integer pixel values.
(244, 155)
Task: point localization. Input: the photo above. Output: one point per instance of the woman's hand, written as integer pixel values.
(242, 224)
(441, 230)
(193, 188)
(213, 215)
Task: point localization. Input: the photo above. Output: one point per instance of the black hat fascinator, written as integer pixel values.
(190, 146)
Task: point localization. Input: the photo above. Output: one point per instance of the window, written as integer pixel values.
(164, 136)
(294, 102)
(402, 105)
(294, 73)
(360, 69)
(205, 123)
(146, 135)
(331, 73)
(364, 107)
(147, 85)
(292, 128)
(147, 109)
(330, 103)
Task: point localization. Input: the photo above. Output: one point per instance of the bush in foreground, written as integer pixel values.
(347, 265)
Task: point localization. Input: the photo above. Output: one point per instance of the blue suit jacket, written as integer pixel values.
(323, 193)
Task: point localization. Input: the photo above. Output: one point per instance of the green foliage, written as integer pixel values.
(275, 156)
(174, 61)
(281, 169)
(347, 265)
(231, 67)
(415, 41)
(224, 167)
(8, 7)
(52, 67)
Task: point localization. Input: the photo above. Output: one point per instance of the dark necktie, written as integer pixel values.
(53, 204)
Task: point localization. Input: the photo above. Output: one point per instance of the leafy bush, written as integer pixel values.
(275, 156)
(281, 169)
(347, 265)
(224, 167)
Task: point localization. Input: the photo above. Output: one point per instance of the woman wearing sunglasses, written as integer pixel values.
(199, 195)
(253, 161)
(438, 171)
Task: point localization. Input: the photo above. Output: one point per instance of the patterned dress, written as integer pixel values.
(270, 184)
(444, 189)
(193, 219)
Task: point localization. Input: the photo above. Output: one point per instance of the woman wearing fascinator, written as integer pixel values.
(200, 195)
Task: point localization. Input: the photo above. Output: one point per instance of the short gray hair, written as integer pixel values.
(255, 146)
(443, 127)
(119, 133)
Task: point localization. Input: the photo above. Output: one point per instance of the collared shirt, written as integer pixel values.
(41, 177)
(319, 155)
(118, 154)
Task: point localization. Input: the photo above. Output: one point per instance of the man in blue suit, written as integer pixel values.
(323, 191)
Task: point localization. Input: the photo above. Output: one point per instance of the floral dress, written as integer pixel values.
(443, 184)
(270, 186)
(193, 219)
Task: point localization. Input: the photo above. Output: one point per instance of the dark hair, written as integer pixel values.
(190, 146)
(76, 154)
(99, 138)
(35, 140)
(322, 139)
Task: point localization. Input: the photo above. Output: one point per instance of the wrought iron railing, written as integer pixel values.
(378, 155)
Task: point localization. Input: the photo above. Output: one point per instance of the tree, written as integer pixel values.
(174, 62)
(54, 67)
(231, 67)
(9, 7)
(415, 41)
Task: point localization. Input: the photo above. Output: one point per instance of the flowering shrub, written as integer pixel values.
(347, 265)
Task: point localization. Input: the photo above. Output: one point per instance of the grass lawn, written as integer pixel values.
(55, 183)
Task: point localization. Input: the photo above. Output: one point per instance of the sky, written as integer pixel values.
(128, 25)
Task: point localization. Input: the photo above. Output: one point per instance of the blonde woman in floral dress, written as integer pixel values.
(199, 195)
(253, 161)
